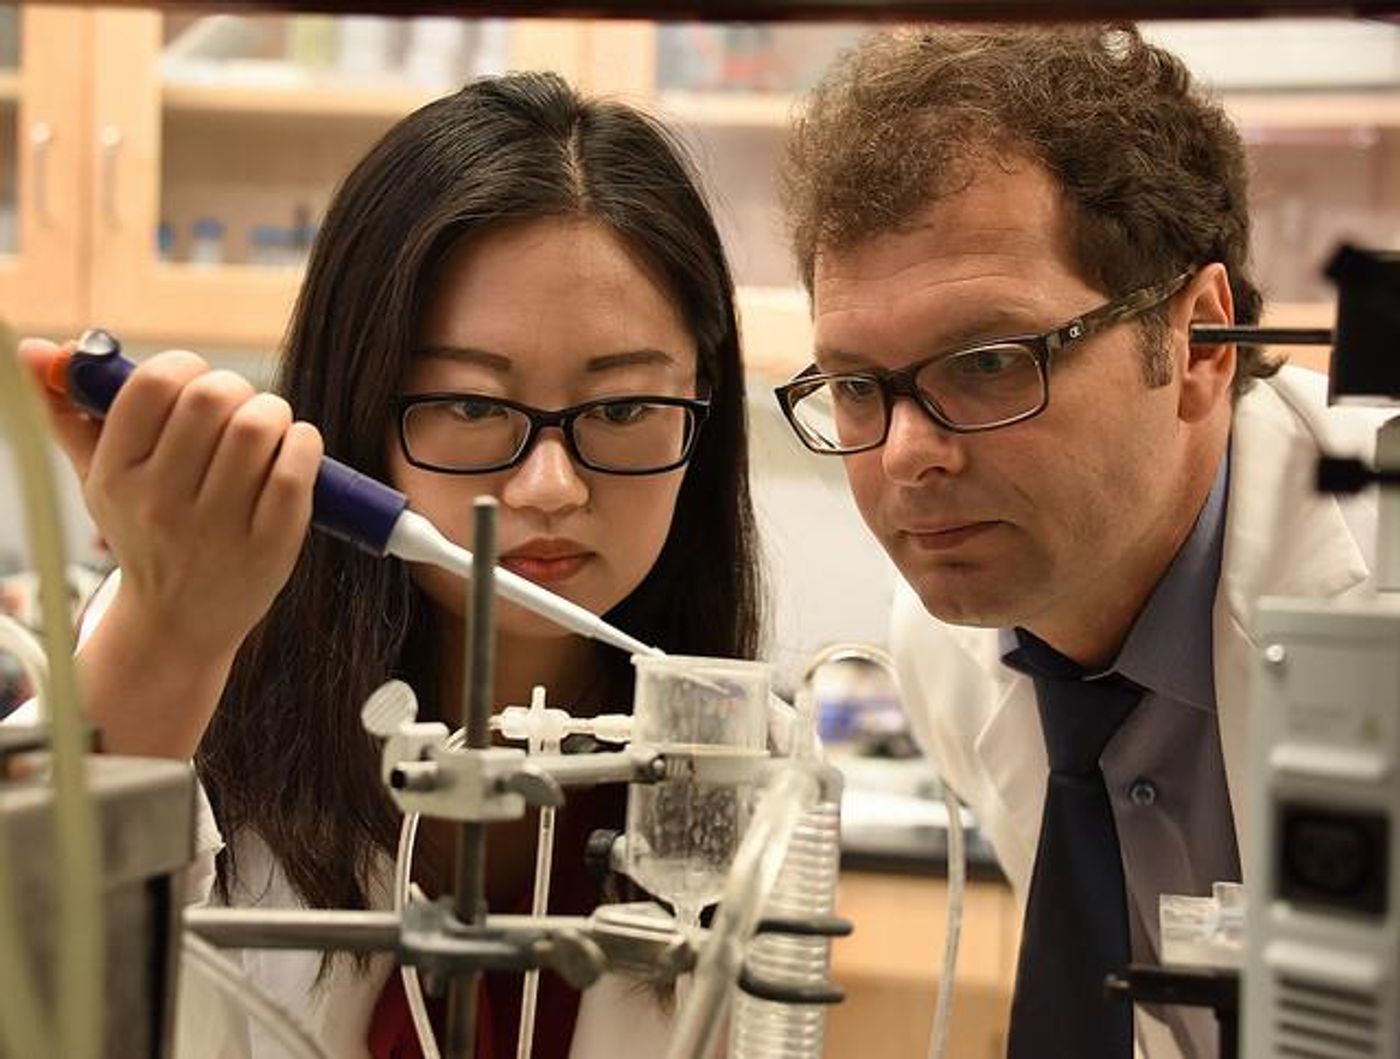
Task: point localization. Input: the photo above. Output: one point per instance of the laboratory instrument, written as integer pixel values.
(145, 812)
(1322, 947)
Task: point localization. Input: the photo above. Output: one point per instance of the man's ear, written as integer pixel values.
(1207, 371)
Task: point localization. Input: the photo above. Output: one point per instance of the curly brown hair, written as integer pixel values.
(1153, 172)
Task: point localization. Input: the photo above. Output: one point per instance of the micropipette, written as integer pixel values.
(346, 503)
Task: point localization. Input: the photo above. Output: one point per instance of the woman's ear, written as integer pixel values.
(1207, 371)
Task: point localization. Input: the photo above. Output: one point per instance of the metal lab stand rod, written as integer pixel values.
(469, 883)
(1263, 336)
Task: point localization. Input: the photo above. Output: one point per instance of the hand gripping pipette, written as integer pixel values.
(347, 504)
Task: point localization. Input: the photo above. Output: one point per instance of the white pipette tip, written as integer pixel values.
(416, 540)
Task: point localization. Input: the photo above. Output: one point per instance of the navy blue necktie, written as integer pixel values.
(1076, 927)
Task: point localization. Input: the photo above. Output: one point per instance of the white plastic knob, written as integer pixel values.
(388, 708)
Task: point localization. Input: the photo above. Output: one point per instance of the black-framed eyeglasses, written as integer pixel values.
(467, 433)
(978, 387)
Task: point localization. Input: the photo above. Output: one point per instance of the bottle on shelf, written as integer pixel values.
(272, 245)
(436, 46)
(311, 41)
(165, 241)
(303, 232)
(9, 225)
(492, 55)
(366, 46)
(207, 242)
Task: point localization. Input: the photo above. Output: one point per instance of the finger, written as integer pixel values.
(284, 503)
(138, 414)
(206, 406)
(75, 431)
(244, 458)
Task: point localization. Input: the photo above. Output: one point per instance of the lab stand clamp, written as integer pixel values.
(430, 772)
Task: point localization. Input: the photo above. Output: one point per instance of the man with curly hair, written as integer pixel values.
(1007, 235)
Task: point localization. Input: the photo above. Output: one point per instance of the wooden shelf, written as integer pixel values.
(749, 110)
(775, 328)
(9, 86)
(1302, 314)
(1313, 110)
(303, 95)
(328, 99)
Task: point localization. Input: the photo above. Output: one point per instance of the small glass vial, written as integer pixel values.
(165, 241)
(270, 244)
(207, 242)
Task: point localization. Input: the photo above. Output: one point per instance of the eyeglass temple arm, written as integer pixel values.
(1206, 334)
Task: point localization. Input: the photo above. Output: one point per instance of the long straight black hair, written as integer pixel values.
(285, 756)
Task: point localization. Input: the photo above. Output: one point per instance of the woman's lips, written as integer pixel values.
(546, 569)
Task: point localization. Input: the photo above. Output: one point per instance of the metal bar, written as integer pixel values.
(336, 930)
(278, 928)
(586, 770)
(1264, 336)
(469, 878)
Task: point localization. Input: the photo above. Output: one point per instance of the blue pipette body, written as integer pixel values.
(346, 503)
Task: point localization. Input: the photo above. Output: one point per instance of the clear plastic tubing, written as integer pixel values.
(763, 1029)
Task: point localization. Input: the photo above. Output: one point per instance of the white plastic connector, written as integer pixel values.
(550, 726)
(611, 727)
(524, 725)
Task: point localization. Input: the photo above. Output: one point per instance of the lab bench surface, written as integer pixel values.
(890, 967)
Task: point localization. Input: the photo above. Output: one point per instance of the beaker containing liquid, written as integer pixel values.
(682, 832)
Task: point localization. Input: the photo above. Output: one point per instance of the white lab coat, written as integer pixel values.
(977, 719)
(615, 1017)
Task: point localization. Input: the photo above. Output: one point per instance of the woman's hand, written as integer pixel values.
(202, 489)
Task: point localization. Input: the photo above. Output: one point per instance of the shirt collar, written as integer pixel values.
(1169, 648)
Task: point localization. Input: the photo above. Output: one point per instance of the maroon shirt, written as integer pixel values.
(572, 892)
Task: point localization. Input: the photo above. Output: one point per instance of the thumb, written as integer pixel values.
(75, 431)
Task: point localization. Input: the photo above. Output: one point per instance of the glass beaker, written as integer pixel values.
(682, 833)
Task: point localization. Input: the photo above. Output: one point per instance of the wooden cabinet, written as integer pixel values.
(890, 967)
(116, 159)
(112, 153)
(43, 273)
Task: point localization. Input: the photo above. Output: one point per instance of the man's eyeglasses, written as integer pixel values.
(979, 387)
(464, 433)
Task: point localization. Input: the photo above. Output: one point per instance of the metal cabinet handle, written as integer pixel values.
(110, 140)
(40, 141)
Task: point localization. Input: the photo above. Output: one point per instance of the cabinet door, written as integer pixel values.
(219, 140)
(134, 291)
(43, 204)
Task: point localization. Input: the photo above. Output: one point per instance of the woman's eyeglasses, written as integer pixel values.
(463, 433)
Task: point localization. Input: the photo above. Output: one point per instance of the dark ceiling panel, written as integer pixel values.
(764, 10)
